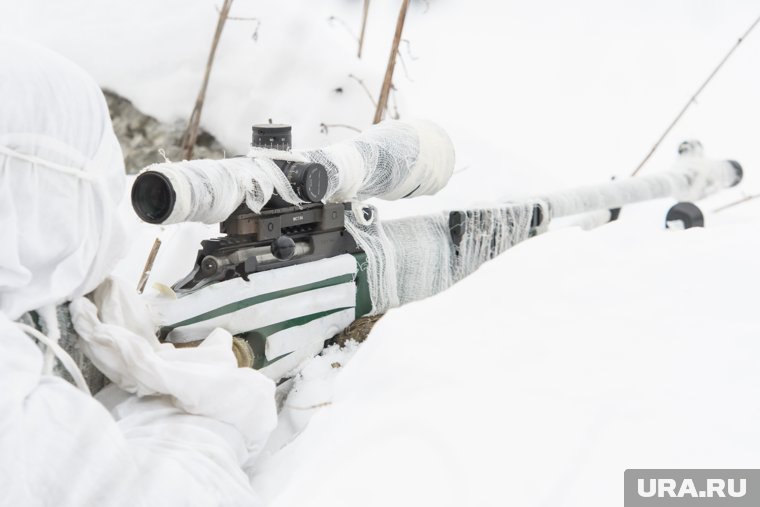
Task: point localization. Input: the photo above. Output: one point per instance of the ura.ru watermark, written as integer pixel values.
(692, 487)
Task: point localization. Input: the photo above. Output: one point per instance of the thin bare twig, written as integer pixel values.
(403, 60)
(693, 98)
(403, 66)
(409, 49)
(736, 203)
(325, 128)
(310, 407)
(148, 266)
(255, 35)
(365, 11)
(344, 25)
(191, 133)
(395, 115)
(236, 18)
(382, 102)
(241, 18)
(364, 86)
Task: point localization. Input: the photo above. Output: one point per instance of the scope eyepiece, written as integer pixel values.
(153, 197)
(308, 180)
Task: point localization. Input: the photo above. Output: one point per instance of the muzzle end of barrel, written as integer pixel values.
(739, 172)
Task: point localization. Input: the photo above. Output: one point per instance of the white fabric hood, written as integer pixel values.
(51, 149)
(189, 442)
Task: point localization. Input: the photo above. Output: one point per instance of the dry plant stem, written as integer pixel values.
(148, 266)
(395, 114)
(311, 407)
(382, 102)
(366, 90)
(736, 203)
(344, 25)
(409, 49)
(255, 35)
(191, 133)
(325, 127)
(693, 98)
(238, 18)
(403, 66)
(364, 27)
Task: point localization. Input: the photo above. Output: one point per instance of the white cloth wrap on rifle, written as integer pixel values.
(413, 258)
(209, 191)
(390, 160)
(301, 305)
(692, 178)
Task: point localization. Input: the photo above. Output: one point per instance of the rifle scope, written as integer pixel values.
(154, 195)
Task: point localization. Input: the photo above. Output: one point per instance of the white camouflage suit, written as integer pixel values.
(182, 425)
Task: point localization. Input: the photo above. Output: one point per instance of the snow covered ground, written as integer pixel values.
(575, 355)
(544, 376)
